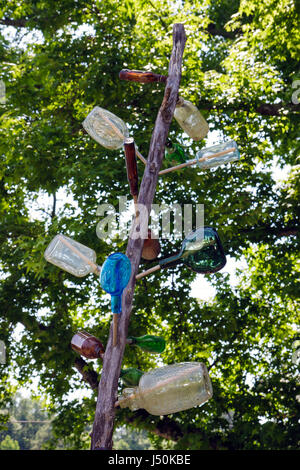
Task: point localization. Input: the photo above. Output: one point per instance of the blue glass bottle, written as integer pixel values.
(115, 275)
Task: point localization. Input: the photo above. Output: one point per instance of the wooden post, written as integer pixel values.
(107, 391)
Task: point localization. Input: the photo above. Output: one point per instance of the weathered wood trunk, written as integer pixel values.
(107, 391)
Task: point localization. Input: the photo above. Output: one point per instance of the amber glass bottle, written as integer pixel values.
(87, 345)
(151, 248)
(141, 76)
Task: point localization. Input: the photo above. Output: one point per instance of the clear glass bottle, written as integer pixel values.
(106, 128)
(71, 256)
(169, 389)
(228, 152)
(296, 353)
(190, 119)
(87, 345)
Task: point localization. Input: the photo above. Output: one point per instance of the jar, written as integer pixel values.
(169, 389)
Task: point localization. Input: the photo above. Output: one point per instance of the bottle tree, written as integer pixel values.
(241, 72)
(104, 423)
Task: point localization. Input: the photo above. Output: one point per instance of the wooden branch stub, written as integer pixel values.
(88, 375)
(107, 391)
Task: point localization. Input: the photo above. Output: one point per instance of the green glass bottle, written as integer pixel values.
(149, 343)
(174, 152)
(131, 376)
(201, 251)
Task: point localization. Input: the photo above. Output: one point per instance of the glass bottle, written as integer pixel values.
(71, 256)
(217, 155)
(131, 167)
(141, 76)
(201, 251)
(151, 247)
(131, 376)
(174, 152)
(106, 128)
(149, 343)
(190, 119)
(114, 277)
(87, 345)
(91, 347)
(169, 389)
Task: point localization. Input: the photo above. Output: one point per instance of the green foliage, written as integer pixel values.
(240, 63)
(130, 439)
(29, 426)
(9, 444)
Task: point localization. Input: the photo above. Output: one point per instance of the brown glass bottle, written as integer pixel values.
(131, 166)
(140, 76)
(87, 345)
(151, 248)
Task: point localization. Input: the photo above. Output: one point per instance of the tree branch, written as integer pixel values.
(107, 390)
(271, 231)
(88, 374)
(53, 213)
(165, 427)
(214, 31)
(265, 109)
(18, 23)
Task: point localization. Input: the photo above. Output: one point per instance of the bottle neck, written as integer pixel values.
(170, 261)
(99, 351)
(180, 101)
(130, 399)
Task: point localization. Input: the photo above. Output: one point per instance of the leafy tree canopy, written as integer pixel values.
(240, 68)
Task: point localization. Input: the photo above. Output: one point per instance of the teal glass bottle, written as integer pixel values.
(201, 251)
(149, 343)
(114, 277)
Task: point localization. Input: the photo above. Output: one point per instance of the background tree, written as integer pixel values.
(239, 67)
(29, 426)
